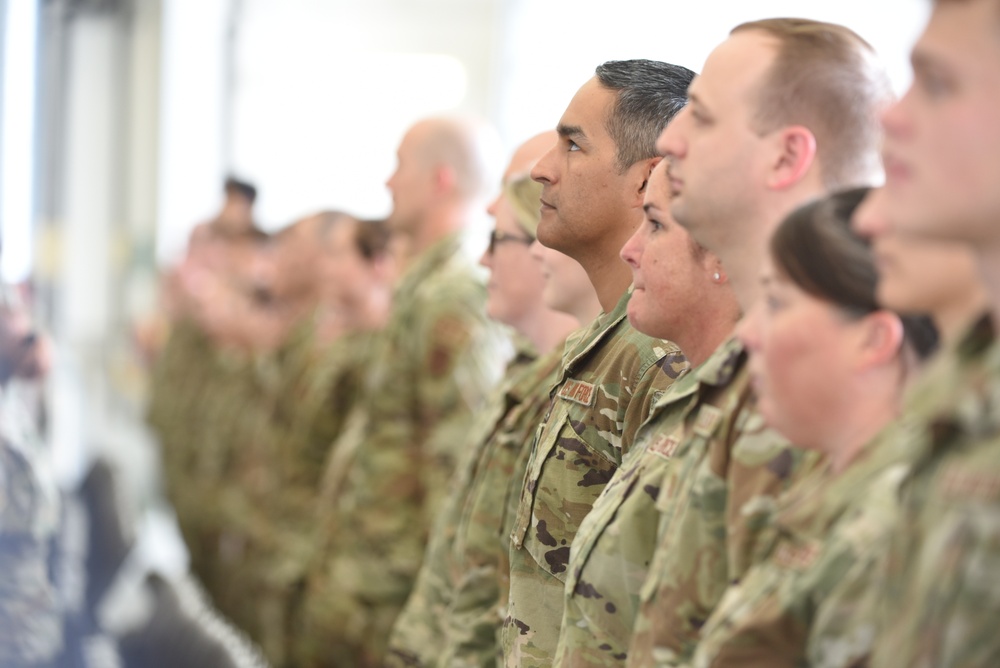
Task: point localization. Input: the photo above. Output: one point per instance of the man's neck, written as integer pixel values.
(610, 278)
(989, 268)
(744, 264)
(438, 224)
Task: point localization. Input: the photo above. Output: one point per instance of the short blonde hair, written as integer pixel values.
(525, 196)
(828, 79)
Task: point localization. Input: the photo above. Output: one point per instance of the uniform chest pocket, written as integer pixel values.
(564, 479)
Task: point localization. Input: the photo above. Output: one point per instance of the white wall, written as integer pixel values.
(191, 118)
(325, 88)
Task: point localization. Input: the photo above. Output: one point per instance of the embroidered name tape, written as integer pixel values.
(577, 391)
(665, 445)
(958, 483)
(796, 557)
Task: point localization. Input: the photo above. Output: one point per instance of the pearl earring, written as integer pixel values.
(716, 276)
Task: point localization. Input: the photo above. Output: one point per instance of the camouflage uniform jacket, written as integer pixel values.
(715, 498)
(942, 593)
(463, 552)
(431, 368)
(604, 392)
(824, 544)
(611, 553)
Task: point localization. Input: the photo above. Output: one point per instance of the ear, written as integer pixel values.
(444, 178)
(713, 267)
(644, 168)
(796, 153)
(881, 338)
(383, 267)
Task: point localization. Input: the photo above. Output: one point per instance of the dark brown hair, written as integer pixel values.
(371, 238)
(816, 249)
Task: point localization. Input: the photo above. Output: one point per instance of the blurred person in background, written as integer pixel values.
(942, 157)
(320, 374)
(939, 278)
(431, 369)
(32, 609)
(819, 316)
(452, 615)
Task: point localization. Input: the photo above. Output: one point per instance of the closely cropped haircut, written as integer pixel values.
(233, 186)
(371, 237)
(525, 196)
(648, 95)
(469, 147)
(817, 250)
(828, 79)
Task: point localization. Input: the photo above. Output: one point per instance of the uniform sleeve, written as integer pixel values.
(459, 358)
(657, 378)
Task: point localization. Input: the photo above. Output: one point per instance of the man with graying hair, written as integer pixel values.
(593, 181)
(430, 369)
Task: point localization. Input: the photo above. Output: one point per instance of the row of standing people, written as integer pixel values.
(800, 490)
(663, 488)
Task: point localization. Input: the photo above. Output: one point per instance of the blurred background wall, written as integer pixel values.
(120, 118)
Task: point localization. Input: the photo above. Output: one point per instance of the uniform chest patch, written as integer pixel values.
(665, 445)
(960, 483)
(707, 421)
(578, 392)
(796, 557)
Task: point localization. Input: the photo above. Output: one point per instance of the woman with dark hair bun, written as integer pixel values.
(829, 366)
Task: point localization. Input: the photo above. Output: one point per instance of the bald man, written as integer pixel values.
(451, 617)
(432, 368)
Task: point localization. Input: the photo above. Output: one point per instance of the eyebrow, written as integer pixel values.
(693, 98)
(570, 131)
(922, 61)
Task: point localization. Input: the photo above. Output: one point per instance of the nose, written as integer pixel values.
(543, 171)
(537, 250)
(633, 249)
(492, 208)
(486, 259)
(670, 142)
(748, 329)
(870, 219)
(894, 116)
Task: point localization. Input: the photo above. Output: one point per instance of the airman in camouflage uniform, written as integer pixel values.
(940, 595)
(608, 381)
(940, 583)
(463, 553)
(432, 368)
(727, 467)
(611, 373)
(715, 497)
(452, 617)
(611, 553)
